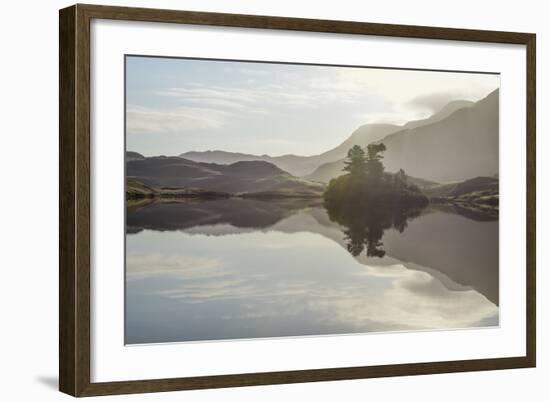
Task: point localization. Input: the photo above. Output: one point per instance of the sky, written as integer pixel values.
(179, 105)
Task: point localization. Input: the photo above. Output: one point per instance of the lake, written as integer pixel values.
(242, 268)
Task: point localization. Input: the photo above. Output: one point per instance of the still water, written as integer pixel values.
(240, 268)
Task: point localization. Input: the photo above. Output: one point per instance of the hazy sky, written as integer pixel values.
(178, 105)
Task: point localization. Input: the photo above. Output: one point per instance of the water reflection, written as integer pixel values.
(240, 268)
(364, 227)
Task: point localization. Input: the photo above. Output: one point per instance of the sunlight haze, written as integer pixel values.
(179, 105)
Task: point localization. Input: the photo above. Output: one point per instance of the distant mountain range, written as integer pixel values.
(299, 165)
(460, 142)
(313, 167)
(171, 173)
(457, 143)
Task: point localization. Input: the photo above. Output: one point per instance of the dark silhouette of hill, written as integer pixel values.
(239, 177)
(134, 156)
(238, 212)
(137, 191)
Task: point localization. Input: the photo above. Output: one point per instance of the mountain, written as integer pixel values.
(444, 112)
(362, 136)
(172, 173)
(459, 146)
(299, 165)
(304, 165)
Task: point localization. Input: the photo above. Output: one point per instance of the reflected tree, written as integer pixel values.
(364, 227)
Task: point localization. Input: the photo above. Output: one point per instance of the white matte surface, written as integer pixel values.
(112, 361)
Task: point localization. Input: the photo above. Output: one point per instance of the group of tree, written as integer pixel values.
(364, 228)
(366, 200)
(365, 182)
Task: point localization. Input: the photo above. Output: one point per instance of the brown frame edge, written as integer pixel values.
(74, 199)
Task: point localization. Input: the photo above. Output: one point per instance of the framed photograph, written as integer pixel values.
(250, 200)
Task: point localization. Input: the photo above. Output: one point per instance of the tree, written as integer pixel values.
(356, 163)
(374, 166)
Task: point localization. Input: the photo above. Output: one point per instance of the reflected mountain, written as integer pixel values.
(459, 249)
(167, 215)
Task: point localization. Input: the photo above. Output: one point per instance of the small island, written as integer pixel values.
(366, 184)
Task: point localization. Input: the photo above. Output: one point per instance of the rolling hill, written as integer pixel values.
(479, 196)
(134, 156)
(172, 173)
(458, 189)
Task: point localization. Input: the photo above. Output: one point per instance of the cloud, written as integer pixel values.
(197, 106)
(143, 266)
(256, 72)
(433, 102)
(182, 119)
(318, 87)
(312, 107)
(257, 98)
(277, 141)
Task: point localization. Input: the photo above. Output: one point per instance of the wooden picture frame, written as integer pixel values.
(74, 203)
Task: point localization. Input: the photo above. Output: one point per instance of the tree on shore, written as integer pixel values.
(356, 163)
(375, 168)
(361, 165)
(365, 181)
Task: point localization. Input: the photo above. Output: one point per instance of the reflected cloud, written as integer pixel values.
(143, 266)
(446, 231)
(274, 278)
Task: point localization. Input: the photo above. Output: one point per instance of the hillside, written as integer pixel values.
(136, 190)
(134, 156)
(477, 197)
(304, 165)
(462, 145)
(221, 157)
(457, 189)
(176, 173)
